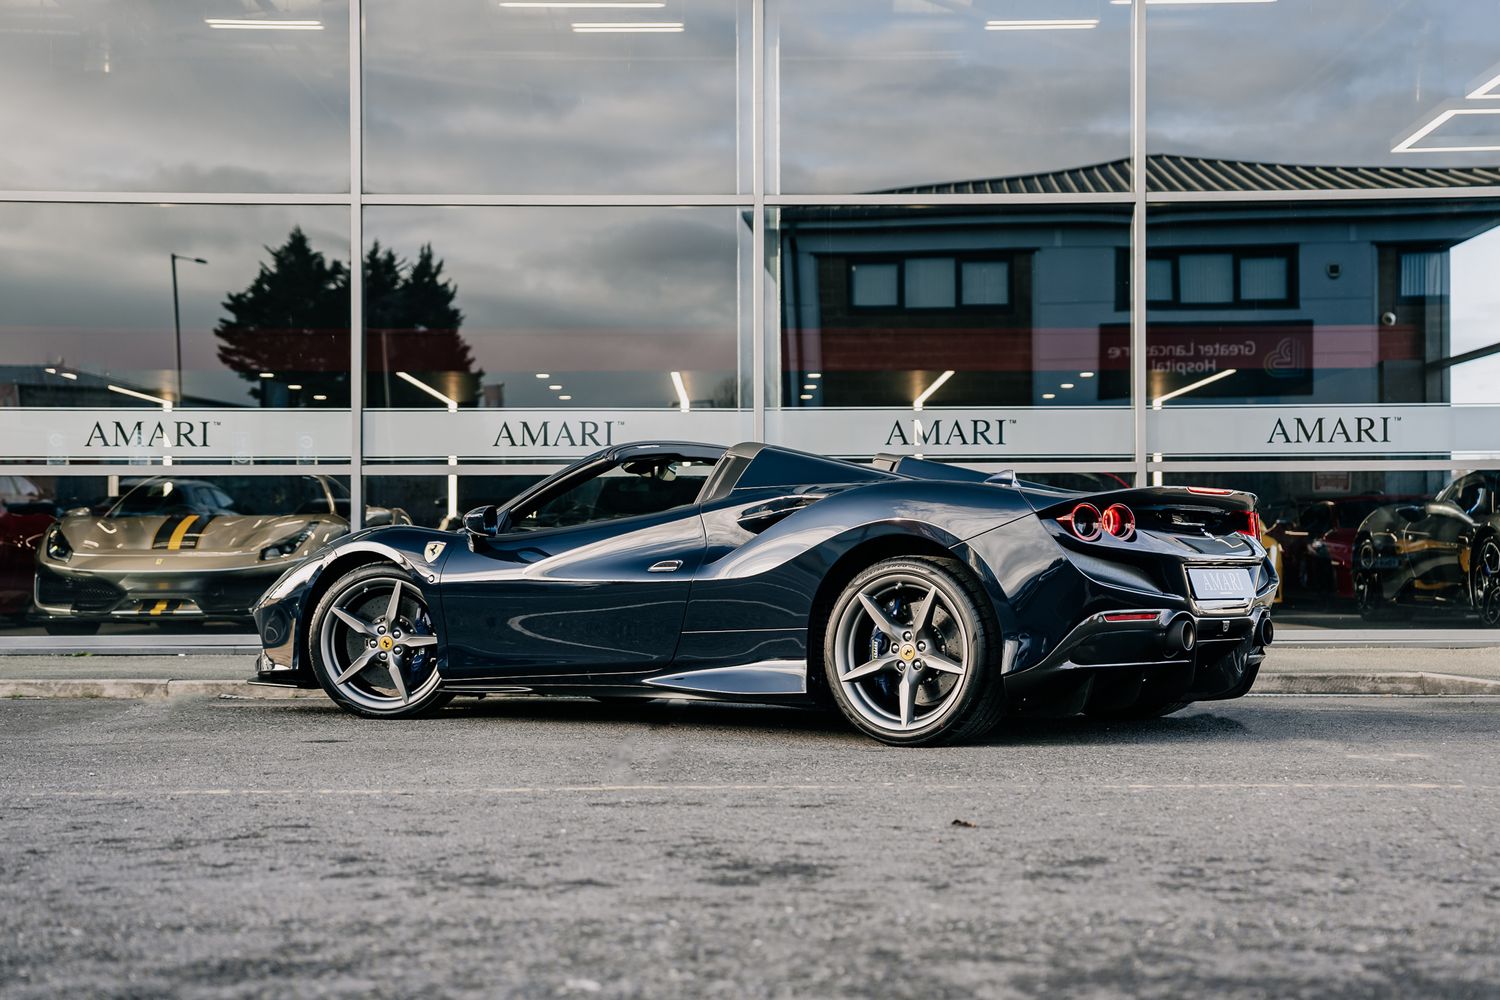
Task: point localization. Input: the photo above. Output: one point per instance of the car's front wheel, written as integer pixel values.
(1485, 583)
(909, 653)
(374, 646)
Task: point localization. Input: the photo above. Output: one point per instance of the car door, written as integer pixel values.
(590, 577)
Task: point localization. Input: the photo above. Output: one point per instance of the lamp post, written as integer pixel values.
(177, 317)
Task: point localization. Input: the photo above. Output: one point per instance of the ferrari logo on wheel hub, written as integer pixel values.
(907, 652)
(387, 643)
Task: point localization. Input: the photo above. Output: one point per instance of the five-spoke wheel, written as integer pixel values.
(907, 653)
(374, 645)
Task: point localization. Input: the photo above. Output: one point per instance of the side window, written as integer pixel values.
(634, 488)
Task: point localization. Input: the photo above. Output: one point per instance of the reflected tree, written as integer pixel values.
(287, 333)
(291, 327)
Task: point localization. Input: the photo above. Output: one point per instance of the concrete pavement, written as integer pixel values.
(1270, 847)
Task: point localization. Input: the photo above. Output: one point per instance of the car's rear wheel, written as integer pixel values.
(909, 653)
(374, 645)
(1368, 595)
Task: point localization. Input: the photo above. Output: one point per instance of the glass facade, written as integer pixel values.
(1079, 240)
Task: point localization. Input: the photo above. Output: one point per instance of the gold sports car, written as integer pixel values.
(186, 549)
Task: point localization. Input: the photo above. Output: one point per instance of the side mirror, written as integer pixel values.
(487, 521)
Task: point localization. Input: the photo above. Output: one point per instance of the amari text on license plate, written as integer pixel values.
(1227, 583)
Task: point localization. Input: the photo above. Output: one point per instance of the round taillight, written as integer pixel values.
(1118, 520)
(1084, 520)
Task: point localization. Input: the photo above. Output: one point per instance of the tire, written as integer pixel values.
(1367, 592)
(1484, 580)
(353, 622)
(948, 690)
(70, 628)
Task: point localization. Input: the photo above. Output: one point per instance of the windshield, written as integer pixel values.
(262, 496)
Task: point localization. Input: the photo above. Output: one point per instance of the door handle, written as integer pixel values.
(665, 566)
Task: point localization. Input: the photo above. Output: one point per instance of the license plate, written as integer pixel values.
(1220, 583)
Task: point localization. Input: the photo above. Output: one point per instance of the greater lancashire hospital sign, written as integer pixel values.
(1078, 433)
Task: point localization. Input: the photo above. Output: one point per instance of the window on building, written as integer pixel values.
(1248, 278)
(1424, 274)
(928, 282)
(874, 285)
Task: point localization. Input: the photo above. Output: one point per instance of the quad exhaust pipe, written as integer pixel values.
(1264, 631)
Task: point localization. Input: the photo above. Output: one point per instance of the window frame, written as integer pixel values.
(1008, 257)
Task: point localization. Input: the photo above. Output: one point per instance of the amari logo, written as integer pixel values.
(945, 433)
(1337, 430)
(555, 434)
(154, 434)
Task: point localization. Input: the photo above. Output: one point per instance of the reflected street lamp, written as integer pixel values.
(177, 316)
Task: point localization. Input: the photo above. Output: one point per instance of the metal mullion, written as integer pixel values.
(173, 198)
(557, 200)
(356, 268)
(758, 332)
(1139, 182)
(1081, 198)
(220, 469)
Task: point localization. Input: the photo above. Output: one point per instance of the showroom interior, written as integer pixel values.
(1103, 243)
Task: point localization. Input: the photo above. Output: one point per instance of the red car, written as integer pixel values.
(21, 527)
(1317, 545)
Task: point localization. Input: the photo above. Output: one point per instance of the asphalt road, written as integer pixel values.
(1272, 847)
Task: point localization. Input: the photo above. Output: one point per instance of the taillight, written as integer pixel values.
(1118, 520)
(1083, 521)
(1250, 524)
(1212, 491)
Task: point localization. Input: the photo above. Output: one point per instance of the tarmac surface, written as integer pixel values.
(1272, 846)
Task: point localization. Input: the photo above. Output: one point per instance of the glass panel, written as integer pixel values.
(80, 555)
(930, 283)
(932, 96)
(624, 323)
(156, 95)
(874, 284)
(986, 283)
(1315, 524)
(525, 97)
(1206, 278)
(1159, 280)
(636, 488)
(1264, 279)
(1044, 339)
(1383, 342)
(1272, 108)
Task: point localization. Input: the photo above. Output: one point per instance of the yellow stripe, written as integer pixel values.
(175, 542)
(159, 608)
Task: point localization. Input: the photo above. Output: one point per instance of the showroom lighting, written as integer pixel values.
(565, 398)
(542, 375)
(452, 403)
(69, 375)
(319, 397)
(245, 24)
(267, 374)
(1190, 387)
(1043, 24)
(806, 395)
(1405, 145)
(1049, 395)
(810, 387)
(814, 374)
(926, 394)
(683, 403)
(577, 4)
(50, 371)
(625, 27)
(1485, 91)
(555, 387)
(165, 404)
(1085, 374)
(1067, 385)
(295, 386)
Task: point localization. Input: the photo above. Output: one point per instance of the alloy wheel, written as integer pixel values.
(379, 646)
(901, 652)
(1486, 581)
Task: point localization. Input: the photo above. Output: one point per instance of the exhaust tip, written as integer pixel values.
(1182, 635)
(1265, 632)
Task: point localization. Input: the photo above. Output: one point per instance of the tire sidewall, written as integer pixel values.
(434, 699)
(979, 625)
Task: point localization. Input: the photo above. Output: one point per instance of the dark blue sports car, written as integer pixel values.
(926, 601)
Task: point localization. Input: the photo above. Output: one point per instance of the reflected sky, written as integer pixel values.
(881, 95)
(145, 95)
(479, 97)
(1327, 82)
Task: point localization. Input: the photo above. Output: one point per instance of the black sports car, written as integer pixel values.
(925, 600)
(1439, 553)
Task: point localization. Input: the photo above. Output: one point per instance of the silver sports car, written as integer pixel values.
(179, 548)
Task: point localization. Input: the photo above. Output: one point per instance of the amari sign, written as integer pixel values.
(1428, 429)
(142, 435)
